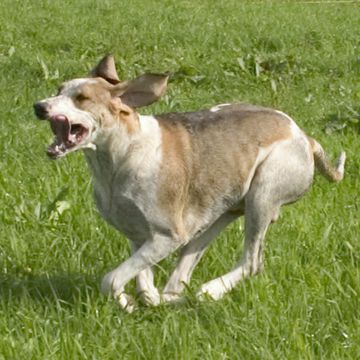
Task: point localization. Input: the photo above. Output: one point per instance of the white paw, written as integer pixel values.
(170, 298)
(214, 289)
(109, 286)
(126, 302)
(151, 298)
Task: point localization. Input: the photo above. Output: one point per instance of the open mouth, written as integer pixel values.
(67, 136)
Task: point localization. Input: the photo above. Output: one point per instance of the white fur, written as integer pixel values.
(147, 146)
(131, 198)
(218, 107)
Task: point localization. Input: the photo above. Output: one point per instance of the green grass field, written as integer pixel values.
(54, 247)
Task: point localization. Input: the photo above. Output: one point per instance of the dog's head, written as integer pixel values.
(83, 107)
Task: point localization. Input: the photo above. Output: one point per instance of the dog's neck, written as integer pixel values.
(122, 152)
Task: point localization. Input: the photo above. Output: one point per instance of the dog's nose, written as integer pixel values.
(40, 109)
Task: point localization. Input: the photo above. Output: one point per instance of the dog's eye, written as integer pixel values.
(81, 97)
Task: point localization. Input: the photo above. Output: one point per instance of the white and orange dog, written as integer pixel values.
(176, 180)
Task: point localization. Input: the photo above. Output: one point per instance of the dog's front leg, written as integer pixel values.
(145, 287)
(150, 253)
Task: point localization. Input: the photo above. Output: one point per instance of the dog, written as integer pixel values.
(174, 181)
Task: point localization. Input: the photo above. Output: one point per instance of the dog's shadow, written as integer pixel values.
(65, 288)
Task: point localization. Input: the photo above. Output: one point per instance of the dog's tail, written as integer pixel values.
(323, 164)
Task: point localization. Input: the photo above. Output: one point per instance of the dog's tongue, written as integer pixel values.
(61, 128)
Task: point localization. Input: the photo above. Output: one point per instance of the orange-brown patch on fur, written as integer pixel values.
(95, 97)
(94, 93)
(226, 154)
(311, 145)
(269, 129)
(174, 175)
(207, 163)
(126, 115)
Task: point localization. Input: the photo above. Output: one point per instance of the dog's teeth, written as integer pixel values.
(72, 139)
(90, 146)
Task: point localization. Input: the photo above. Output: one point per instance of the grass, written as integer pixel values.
(54, 247)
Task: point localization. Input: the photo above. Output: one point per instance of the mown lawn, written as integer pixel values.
(302, 58)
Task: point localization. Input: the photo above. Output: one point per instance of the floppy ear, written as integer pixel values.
(106, 69)
(141, 91)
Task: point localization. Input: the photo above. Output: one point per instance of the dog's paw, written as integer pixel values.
(150, 298)
(170, 298)
(126, 302)
(214, 289)
(108, 286)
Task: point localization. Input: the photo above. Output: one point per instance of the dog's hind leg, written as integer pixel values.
(283, 178)
(190, 256)
(257, 220)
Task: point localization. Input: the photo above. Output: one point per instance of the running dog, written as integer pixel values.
(174, 181)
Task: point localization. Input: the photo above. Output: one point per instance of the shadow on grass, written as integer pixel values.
(65, 288)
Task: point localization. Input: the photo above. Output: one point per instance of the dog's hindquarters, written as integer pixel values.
(282, 178)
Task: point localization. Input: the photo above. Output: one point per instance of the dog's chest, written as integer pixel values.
(129, 204)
